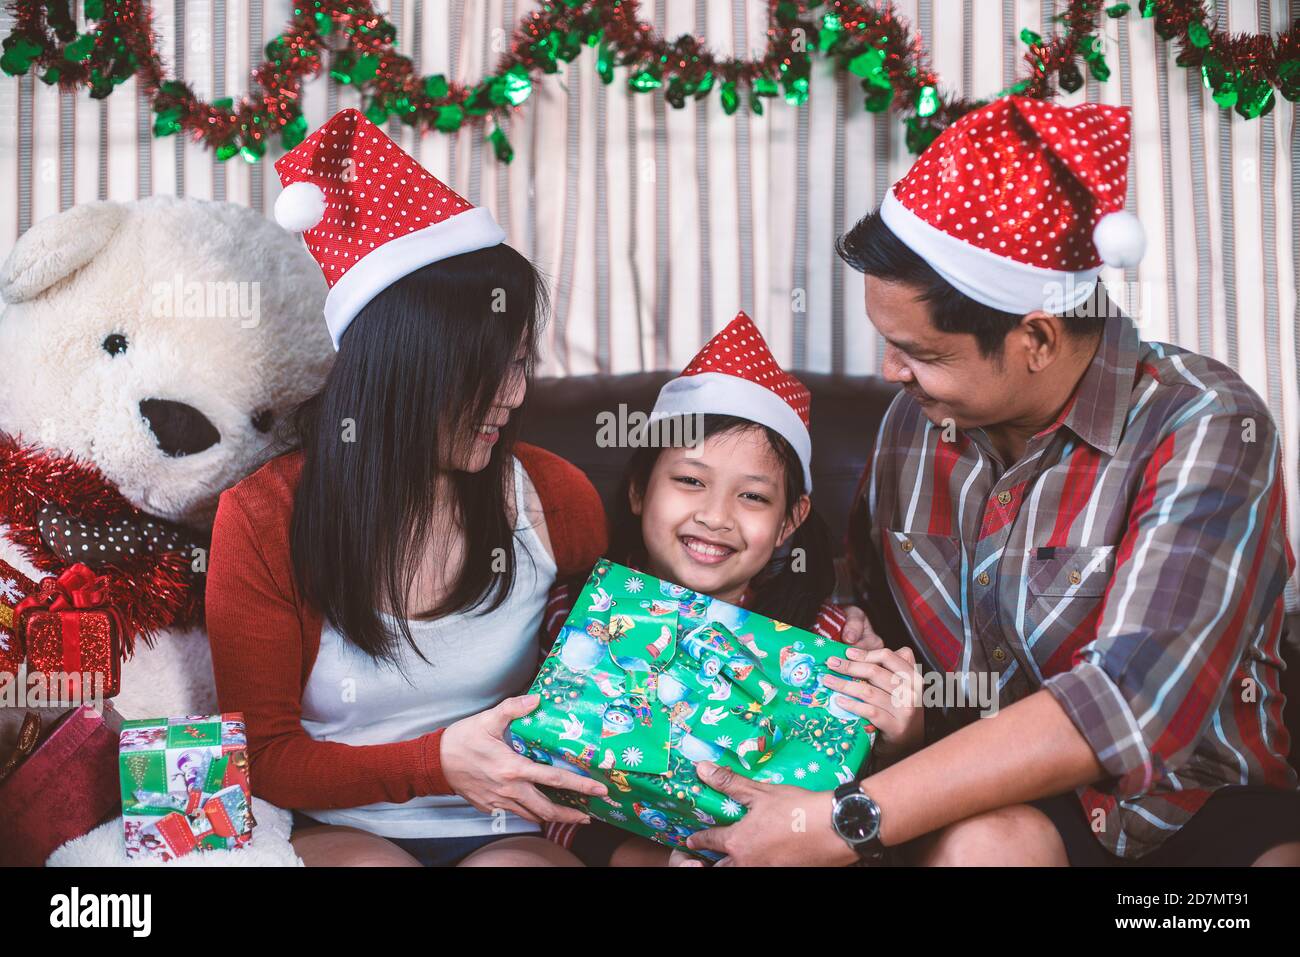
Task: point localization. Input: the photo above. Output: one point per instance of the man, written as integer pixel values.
(1085, 526)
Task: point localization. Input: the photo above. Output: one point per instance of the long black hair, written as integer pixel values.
(801, 574)
(418, 368)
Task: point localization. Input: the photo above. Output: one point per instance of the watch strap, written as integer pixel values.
(870, 851)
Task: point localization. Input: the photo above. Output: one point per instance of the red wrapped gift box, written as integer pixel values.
(67, 629)
(65, 788)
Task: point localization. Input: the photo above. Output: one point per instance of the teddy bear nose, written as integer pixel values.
(180, 429)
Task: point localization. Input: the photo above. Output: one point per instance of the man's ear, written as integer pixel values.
(56, 247)
(1045, 335)
(798, 515)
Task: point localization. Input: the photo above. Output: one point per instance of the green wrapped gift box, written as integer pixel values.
(647, 677)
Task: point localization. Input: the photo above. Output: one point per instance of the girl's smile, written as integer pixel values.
(705, 552)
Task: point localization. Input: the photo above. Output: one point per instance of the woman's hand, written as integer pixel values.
(887, 693)
(482, 768)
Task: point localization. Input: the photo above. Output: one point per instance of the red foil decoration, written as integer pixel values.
(150, 591)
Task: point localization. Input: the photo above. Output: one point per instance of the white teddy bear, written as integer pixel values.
(153, 346)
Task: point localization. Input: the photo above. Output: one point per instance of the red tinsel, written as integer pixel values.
(150, 591)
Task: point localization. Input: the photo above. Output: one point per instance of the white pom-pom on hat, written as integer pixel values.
(1120, 239)
(300, 207)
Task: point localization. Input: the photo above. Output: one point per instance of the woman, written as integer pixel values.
(374, 597)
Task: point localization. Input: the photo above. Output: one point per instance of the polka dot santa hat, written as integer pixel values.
(1019, 203)
(370, 214)
(735, 374)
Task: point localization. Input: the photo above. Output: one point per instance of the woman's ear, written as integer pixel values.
(798, 515)
(635, 498)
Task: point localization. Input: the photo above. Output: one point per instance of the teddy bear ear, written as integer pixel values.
(57, 247)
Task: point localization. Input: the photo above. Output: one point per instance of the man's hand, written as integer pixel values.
(858, 631)
(785, 826)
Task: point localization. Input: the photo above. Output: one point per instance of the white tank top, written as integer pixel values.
(475, 661)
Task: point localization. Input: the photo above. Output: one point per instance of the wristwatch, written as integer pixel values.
(856, 818)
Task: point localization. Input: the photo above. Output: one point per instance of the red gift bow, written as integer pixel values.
(76, 588)
(177, 828)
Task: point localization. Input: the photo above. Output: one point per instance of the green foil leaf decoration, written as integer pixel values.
(644, 81)
(435, 87)
(293, 132)
(518, 84)
(868, 62)
(449, 118)
(1254, 100)
(729, 98)
(501, 145)
(80, 48)
(1288, 78)
(927, 101)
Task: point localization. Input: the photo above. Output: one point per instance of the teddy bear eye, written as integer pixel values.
(262, 420)
(115, 344)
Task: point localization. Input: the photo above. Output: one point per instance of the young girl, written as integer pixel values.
(725, 511)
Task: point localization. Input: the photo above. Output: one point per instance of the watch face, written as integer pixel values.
(857, 818)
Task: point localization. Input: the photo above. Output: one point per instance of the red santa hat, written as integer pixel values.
(370, 214)
(735, 374)
(1019, 203)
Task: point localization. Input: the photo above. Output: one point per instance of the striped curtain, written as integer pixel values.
(656, 225)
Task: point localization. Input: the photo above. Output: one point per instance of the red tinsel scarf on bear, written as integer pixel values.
(151, 591)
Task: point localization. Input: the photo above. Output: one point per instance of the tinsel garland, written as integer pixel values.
(867, 41)
(151, 591)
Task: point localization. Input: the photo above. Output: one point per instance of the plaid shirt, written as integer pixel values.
(1132, 562)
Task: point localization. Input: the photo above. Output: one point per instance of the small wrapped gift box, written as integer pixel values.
(185, 785)
(70, 635)
(59, 784)
(647, 677)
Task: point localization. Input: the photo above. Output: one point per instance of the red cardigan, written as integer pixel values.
(265, 638)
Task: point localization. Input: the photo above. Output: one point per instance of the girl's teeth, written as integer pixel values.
(704, 549)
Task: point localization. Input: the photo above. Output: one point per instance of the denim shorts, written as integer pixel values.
(429, 851)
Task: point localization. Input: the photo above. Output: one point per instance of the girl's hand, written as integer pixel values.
(482, 768)
(887, 693)
(857, 630)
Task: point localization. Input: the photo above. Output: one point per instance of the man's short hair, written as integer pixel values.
(871, 247)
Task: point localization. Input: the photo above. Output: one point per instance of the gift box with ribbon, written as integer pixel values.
(647, 677)
(70, 634)
(185, 785)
